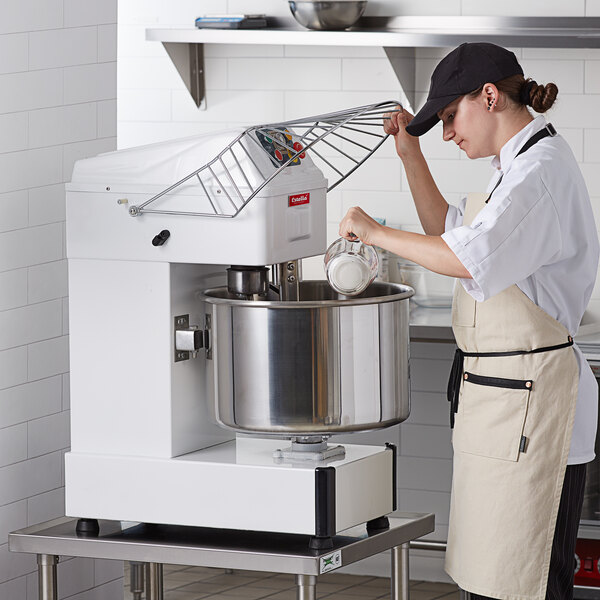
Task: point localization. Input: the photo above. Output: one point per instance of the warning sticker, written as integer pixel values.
(331, 562)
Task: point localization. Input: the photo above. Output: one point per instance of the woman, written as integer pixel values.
(524, 400)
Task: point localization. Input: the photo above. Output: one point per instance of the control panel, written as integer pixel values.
(280, 146)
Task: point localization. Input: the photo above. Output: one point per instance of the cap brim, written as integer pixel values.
(427, 117)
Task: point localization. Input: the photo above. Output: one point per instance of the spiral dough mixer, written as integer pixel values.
(207, 377)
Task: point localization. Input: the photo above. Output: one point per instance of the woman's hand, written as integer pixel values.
(395, 124)
(357, 224)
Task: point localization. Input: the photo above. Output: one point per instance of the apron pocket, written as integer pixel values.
(491, 416)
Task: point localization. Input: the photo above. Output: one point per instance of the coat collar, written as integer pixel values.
(509, 151)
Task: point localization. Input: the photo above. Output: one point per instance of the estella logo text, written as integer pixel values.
(299, 199)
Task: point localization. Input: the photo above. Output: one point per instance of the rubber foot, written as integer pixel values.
(378, 524)
(87, 527)
(320, 543)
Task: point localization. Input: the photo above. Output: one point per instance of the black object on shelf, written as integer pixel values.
(231, 22)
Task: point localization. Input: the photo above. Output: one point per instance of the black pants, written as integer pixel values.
(562, 559)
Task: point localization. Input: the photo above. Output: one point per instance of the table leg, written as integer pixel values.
(136, 579)
(154, 581)
(307, 587)
(400, 572)
(47, 585)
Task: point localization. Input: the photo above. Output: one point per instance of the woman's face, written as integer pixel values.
(467, 123)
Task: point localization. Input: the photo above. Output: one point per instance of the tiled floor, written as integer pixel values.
(201, 583)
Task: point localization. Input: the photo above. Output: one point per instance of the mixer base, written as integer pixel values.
(235, 485)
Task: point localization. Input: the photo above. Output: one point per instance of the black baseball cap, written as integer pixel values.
(464, 70)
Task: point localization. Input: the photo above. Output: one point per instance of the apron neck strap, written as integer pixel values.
(534, 139)
(540, 135)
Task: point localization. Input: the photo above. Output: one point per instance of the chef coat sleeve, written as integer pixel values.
(454, 216)
(514, 235)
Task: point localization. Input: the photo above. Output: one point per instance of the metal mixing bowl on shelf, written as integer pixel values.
(432, 290)
(339, 14)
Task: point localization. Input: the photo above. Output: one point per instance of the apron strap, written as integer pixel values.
(454, 380)
(534, 139)
(456, 372)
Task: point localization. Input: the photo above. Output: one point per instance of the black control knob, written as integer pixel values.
(161, 238)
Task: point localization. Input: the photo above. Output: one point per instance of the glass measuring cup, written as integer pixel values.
(350, 266)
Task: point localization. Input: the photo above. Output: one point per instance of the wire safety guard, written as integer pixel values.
(338, 143)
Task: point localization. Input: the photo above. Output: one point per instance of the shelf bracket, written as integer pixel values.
(403, 61)
(188, 59)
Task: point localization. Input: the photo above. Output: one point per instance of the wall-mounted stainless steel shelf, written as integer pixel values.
(398, 36)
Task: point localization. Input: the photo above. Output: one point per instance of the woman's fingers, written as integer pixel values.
(407, 115)
(396, 126)
(390, 122)
(357, 224)
(390, 128)
(395, 122)
(345, 229)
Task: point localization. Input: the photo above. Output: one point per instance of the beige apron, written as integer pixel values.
(511, 441)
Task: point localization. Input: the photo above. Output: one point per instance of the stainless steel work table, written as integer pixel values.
(221, 548)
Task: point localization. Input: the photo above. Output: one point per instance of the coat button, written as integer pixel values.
(528, 384)
(466, 376)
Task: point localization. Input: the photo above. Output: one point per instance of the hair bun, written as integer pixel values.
(542, 97)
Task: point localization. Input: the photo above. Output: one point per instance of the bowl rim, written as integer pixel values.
(402, 292)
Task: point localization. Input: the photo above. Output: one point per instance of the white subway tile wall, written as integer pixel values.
(31, 15)
(107, 43)
(14, 588)
(46, 204)
(13, 211)
(12, 516)
(14, 52)
(57, 104)
(76, 575)
(49, 49)
(46, 506)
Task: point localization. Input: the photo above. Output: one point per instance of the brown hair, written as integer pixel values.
(525, 92)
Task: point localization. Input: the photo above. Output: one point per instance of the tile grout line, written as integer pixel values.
(285, 587)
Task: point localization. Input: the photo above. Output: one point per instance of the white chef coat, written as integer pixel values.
(537, 231)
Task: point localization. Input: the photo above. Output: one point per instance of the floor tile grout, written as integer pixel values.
(368, 587)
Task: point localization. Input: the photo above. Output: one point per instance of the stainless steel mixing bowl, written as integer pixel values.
(322, 365)
(327, 15)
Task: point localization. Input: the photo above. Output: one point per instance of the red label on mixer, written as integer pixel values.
(298, 199)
